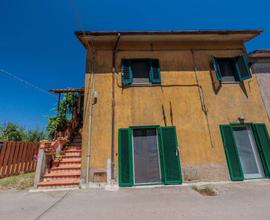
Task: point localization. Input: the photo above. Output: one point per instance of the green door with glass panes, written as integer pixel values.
(148, 155)
(247, 149)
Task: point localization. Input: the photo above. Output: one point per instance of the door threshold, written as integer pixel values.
(255, 180)
(147, 186)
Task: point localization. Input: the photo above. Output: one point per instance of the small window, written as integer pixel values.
(140, 71)
(231, 69)
(227, 69)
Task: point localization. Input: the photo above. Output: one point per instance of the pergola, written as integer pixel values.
(66, 90)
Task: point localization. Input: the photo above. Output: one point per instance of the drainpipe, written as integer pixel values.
(113, 103)
(92, 91)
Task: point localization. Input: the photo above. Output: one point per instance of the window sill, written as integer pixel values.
(236, 82)
(143, 84)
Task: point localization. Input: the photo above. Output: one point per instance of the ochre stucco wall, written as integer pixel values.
(200, 160)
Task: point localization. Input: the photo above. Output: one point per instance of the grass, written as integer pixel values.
(205, 190)
(19, 182)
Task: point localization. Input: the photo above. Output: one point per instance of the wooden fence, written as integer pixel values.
(17, 157)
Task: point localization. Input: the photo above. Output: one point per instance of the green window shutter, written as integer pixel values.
(242, 68)
(154, 74)
(263, 145)
(127, 77)
(125, 157)
(231, 152)
(216, 67)
(169, 156)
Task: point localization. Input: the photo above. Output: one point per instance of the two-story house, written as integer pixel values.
(164, 107)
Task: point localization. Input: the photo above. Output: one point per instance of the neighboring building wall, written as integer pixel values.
(200, 159)
(261, 68)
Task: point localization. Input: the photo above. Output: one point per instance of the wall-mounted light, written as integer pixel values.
(241, 118)
(95, 96)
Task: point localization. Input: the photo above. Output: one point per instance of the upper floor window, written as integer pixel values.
(232, 69)
(140, 71)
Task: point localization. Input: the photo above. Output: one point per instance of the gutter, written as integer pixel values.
(170, 32)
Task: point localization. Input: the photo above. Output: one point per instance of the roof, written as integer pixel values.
(80, 90)
(260, 53)
(176, 35)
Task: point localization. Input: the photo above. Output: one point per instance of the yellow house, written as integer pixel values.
(166, 107)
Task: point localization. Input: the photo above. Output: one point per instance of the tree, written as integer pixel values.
(59, 122)
(12, 132)
(1, 132)
(35, 135)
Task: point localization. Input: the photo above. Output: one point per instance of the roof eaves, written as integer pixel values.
(176, 32)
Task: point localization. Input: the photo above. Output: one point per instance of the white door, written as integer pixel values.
(248, 152)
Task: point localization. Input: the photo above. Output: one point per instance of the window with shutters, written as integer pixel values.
(231, 69)
(140, 71)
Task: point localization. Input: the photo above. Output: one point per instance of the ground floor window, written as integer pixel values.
(247, 149)
(148, 155)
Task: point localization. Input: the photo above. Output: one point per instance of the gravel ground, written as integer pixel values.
(246, 200)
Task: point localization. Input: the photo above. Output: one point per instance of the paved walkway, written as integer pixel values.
(249, 200)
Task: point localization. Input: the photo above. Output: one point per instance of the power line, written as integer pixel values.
(26, 82)
(76, 12)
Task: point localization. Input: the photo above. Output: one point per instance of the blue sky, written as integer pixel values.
(37, 42)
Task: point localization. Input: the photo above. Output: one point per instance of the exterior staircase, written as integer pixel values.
(67, 172)
(77, 140)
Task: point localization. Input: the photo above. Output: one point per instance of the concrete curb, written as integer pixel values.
(53, 190)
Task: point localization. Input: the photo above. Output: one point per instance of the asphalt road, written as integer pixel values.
(248, 200)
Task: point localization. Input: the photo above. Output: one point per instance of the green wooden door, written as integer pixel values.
(263, 144)
(125, 157)
(169, 155)
(231, 152)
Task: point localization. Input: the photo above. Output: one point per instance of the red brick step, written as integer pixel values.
(75, 167)
(74, 146)
(64, 174)
(60, 182)
(71, 156)
(73, 151)
(63, 161)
